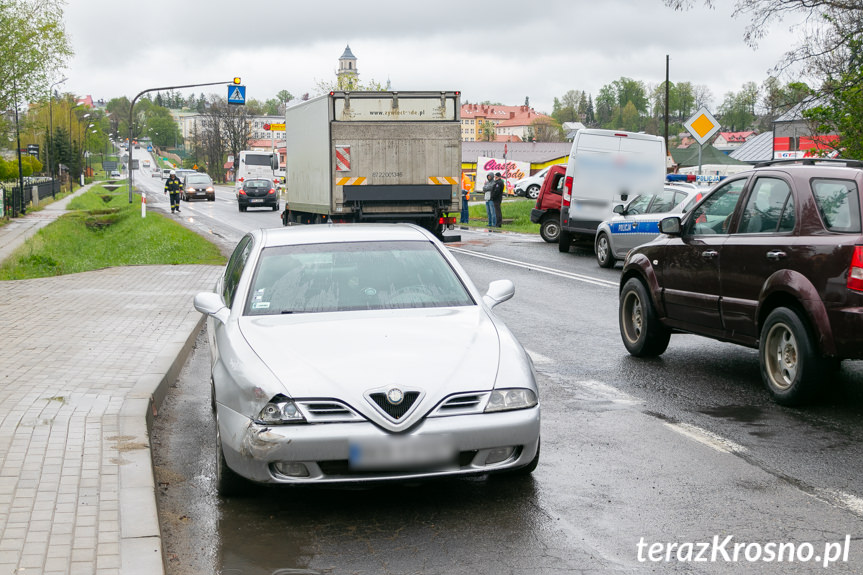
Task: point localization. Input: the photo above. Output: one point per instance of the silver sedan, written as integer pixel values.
(348, 353)
(638, 221)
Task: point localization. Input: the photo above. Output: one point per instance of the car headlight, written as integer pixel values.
(509, 399)
(280, 410)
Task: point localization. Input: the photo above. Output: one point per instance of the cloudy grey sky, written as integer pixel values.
(500, 50)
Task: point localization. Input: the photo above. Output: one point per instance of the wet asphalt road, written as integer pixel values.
(681, 449)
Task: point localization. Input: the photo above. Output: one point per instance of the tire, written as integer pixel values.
(212, 395)
(549, 229)
(604, 257)
(642, 333)
(564, 241)
(228, 483)
(239, 207)
(791, 367)
(532, 192)
(276, 208)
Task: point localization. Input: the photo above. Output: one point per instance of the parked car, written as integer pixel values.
(116, 174)
(637, 222)
(546, 212)
(198, 186)
(257, 193)
(770, 259)
(363, 352)
(529, 186)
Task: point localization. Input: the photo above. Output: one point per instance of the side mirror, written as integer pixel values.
(210, 303)
(619, 209)
(274, 161)
(670, 226)
(498, 292)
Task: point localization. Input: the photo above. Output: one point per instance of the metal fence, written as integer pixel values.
(10, 191)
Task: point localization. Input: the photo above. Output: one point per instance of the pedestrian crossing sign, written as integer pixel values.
(236, 94)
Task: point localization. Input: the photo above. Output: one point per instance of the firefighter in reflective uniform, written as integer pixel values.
(173, 187)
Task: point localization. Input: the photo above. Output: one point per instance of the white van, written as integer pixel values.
(606, 168)
(253, 164)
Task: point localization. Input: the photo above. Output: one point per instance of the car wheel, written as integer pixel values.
(640, 329)
(212, 394)
(790, 364)
(228, 483)
(532, 192)
(549, 229)
(604, 257)
(276, 208)
(525, 470)
(564, 241)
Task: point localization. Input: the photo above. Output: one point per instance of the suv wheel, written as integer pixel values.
(550, 229)
(603, 252)
(790, 365)
(640, 329)
(532, 192)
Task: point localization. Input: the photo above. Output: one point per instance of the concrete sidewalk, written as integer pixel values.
(84, 361)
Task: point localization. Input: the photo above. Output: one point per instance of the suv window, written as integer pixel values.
(839, 204)
(638, 205)
(766, 207)
(714, 214)
(664, 201)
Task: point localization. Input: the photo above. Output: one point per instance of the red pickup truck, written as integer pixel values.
(546, 212)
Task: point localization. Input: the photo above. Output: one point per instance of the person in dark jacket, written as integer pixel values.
(497, 199)
(173, 187)
(489, 205)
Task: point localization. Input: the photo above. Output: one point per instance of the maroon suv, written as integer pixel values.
(772, 259)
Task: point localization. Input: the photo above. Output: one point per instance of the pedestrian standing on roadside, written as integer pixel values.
(173, 187)
(489, 205)
(497, 199)
(465, 198)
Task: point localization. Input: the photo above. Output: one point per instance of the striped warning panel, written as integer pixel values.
(350, 181)
(343, 158)
(442, 181)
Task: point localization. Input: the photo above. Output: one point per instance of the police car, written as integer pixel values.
(637, 222)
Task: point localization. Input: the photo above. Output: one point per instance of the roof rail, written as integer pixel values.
(813, 162)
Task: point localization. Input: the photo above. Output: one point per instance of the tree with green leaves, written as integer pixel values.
(33, 48)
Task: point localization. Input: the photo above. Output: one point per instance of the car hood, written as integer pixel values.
(438, 351)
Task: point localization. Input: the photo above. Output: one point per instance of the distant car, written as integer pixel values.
(116, 174)
(637, 222)
(198, 186)
(362, 352)
(771, 259)
(529, 186)
(257, 193)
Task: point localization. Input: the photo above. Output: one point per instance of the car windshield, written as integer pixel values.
(259, 184)
(257, 160)
(198, 179)
(353, 276)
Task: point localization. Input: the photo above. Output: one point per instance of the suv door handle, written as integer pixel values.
(776, 255)
(709, 254)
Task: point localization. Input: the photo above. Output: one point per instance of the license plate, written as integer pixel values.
(390, 453)
(261, 201)
(199, 193)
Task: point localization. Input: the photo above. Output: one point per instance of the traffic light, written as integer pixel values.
(237, 81)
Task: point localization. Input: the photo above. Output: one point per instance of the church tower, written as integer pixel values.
(347, 76)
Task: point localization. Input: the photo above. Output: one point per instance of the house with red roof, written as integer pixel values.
(510, 123)
(727, 141)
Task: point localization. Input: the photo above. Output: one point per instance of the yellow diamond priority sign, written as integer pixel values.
(702, 126)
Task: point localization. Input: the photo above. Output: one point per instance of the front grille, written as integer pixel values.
(342, 468)
(462, 402)
(323, 411)
(395, 411)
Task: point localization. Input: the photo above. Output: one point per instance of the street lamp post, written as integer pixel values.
(71, 179)
(20, 168)
(81, 143)
(51, 132)
(131, 119)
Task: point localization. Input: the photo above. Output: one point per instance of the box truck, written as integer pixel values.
(374, 157)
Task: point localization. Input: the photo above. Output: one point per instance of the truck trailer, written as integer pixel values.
(374, 157)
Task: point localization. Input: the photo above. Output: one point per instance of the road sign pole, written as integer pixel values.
(700, 147)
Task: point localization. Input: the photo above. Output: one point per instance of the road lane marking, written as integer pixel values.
(708, 438)
(538, 268)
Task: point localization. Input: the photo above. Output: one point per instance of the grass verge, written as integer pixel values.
(105, 230)
(516, 215)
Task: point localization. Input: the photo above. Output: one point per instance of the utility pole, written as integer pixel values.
(666, 101)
